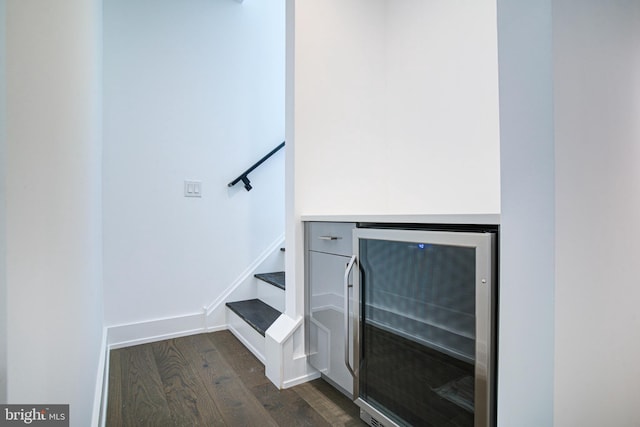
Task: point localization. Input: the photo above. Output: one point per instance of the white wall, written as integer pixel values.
(3, 276)
(339, 105)
(334, 111)
(527, 252)
(193, 90)
(597, 111)
(392, 109)
(53, 203)
(440, 152)
(396, 107)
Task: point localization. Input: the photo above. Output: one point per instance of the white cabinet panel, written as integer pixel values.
(328, 253)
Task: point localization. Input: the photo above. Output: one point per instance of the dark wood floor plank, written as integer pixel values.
(247, 366)
(212, 380)
(287, 407)
(189, 402)
(332, 405)
(237, 404)
(114, 408)
(144, 403)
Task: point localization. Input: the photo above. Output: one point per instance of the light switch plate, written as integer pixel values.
(192, 188)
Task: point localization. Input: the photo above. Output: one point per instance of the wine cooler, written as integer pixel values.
(422, 326)
(403, 320)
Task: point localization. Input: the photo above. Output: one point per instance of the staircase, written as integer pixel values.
(256, 315)
(249, 319)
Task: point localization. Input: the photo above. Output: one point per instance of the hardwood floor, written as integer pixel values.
(213, 380)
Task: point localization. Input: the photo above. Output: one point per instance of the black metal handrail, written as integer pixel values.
(243, 175)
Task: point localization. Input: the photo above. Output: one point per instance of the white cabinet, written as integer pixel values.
(328, 250)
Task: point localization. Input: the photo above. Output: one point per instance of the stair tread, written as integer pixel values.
(256, 313)
(276, 278)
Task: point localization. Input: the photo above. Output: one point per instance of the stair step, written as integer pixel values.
(276, 279)
(256, 313)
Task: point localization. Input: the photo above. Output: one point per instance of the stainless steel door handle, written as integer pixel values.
(346, 313)
(329, 237)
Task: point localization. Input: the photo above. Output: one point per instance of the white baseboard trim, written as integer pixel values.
(246, 274)
(302, 379)
(99, 413)
(128, 335)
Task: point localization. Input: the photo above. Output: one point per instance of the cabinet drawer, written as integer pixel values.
(330, 237)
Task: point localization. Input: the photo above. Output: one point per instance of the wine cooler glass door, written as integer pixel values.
(424, 326)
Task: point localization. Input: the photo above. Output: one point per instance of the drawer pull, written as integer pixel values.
(329, 237)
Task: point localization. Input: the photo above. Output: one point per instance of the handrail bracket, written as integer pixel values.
(243, 176)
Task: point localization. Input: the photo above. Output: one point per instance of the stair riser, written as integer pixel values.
(246, 334)
(271, 295)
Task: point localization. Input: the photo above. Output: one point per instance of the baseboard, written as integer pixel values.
(126, 335)
(300, 380)
(99, 413)
(157, 330)
(246, 275)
